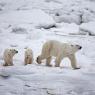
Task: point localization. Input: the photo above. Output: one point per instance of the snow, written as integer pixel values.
(68, 18)
(76, 11)
(88, 28)
(30, 23)
(27, 17)
(66, 29)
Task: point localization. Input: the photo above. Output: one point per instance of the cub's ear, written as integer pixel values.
(10, 49)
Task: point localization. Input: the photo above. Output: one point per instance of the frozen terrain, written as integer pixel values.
(29, 23)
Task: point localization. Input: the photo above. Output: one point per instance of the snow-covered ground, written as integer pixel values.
(29, 23)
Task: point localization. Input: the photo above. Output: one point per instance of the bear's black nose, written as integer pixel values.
(80, 47)
(16, 51)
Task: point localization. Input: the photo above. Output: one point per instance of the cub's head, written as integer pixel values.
(75, 48)
(13, 51)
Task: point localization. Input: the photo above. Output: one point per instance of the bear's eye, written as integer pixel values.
(72, 45)
(77, 45)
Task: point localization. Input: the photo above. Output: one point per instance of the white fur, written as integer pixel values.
(8, 56)
(28, 56)
(59, 50)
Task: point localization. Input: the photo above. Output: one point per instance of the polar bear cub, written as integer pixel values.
(28, 56)
(8, 56)
(59, 50)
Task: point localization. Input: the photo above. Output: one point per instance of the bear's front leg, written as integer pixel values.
(73, 61)
(58, 61)
(48, 60)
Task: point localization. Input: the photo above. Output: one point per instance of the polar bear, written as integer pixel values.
(28, 56)
(8, 56)
(59, 50)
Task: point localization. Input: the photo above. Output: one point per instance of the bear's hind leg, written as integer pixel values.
(48, 60)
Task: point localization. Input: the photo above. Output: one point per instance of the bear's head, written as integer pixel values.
(75, 48)
(13, 51)
(38, 60)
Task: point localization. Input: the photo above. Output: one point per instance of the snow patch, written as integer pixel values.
(88, 28)
(36, 17)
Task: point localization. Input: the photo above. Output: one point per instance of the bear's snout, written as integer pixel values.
(16, 51)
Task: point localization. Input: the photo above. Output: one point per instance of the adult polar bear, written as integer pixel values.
(59, 50)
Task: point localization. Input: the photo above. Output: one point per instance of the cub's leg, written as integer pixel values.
(5, 64)
(10, 64)
(31, 61)
(25, 61)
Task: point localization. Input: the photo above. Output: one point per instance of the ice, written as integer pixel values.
(88, 28)
(29, 24)
(36, 17)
